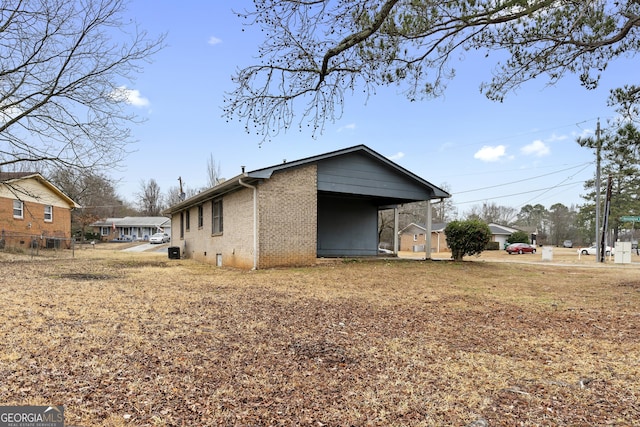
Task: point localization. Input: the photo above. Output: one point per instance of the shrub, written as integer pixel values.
(493, 246)
(467, 238)
(91, 236)
(518, 237)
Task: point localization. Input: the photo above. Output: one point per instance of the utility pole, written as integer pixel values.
(182, 195)
(607, 207)
(597, 231)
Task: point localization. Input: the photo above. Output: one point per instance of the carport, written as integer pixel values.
(352, 188)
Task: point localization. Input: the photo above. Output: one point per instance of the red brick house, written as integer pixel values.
(295, 212)
(413, 238)
(33, 212)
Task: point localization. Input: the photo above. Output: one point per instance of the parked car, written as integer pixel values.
(567, 244)
(592, 250)
(159, 238)
(520, 248)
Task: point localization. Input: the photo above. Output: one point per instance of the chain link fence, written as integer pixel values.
(36, 245)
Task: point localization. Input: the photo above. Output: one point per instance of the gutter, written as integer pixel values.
(255, 221)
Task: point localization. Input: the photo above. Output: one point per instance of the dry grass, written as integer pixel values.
(124, 339)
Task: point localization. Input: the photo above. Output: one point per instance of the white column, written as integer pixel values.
(427, 242)
(396, 223)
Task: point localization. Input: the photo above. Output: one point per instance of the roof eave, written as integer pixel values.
(225, 187)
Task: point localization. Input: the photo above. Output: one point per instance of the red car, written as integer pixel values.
(520, 248)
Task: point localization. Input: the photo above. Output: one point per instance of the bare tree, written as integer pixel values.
(150, 198)
(213, 172)
(62, 99)
(315, 52)
(95, 193)
(176, 195)
(493, 213)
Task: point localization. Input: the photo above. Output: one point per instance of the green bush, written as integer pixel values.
(91, 236)
(518, 237)
(467, 238)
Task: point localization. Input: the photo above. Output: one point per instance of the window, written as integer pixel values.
(48, 213)
(18, 209)
(200, 216)
(104, 231)
(187, 220)
(415, 237)
(216, 223)
(181, 224)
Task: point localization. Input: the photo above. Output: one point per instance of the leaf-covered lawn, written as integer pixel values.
(139, 340)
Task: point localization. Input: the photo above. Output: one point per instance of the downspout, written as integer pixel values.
(255, 222)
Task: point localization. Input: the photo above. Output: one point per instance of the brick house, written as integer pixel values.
(131, 227)
(33, 212)
(413, 238)
(292, 213)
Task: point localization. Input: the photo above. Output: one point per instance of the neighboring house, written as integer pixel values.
(294, 212)
(500, 234)
(413, 238)
(131, 227)
(33, 212)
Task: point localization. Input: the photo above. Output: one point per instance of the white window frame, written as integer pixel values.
(18, 205)
(48, 216)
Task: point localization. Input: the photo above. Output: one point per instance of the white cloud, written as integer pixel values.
(555, 138)
(491, 154)
(350, 126)
(536, 148)
(7, 114)
(584, 134)
(129, 96)
(446, 146)
(214, 41)
(396, 156)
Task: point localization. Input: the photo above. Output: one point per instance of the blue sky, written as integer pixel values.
(521, 151)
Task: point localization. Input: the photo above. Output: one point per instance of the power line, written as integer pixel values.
(529, 178)
(518, 194)
(561, 182)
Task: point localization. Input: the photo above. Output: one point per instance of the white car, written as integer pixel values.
(592, 250)
(159, 238)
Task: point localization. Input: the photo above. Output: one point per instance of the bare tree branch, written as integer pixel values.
(315, 52)
(61, 77)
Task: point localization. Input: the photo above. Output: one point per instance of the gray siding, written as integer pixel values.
(355, 173)
(346, 227)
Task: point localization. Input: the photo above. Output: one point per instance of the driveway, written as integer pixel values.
(143, 247)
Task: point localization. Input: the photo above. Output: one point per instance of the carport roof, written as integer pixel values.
(236, 182)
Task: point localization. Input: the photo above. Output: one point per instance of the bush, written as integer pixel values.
(467, 238)
(518, 237)
(493, 246)
(91, 236)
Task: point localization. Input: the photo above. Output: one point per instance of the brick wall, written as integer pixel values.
(288, 206)
(33, 224)
(287, 224)
(234, 244)
(407, 243)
